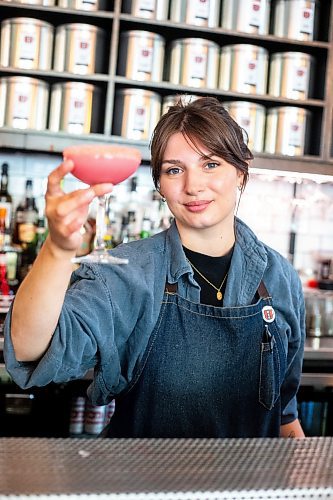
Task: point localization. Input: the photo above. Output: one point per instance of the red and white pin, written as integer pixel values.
(268, 314)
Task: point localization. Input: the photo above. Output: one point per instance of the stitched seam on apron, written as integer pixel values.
(212, 315)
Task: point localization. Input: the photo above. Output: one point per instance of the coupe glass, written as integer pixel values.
(95, 164)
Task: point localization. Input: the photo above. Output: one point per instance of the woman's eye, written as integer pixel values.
(211, 165)
(173, 171)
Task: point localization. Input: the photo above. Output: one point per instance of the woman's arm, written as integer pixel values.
(292, 430)
(40, 297)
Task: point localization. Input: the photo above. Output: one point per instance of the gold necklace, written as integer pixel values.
(219, 295)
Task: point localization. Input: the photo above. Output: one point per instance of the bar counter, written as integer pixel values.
(178, 469)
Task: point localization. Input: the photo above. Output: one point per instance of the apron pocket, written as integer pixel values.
(269, 383)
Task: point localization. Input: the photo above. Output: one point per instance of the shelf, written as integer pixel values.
(219, 33)
(23, 9)
(173, 88)
(53, 75)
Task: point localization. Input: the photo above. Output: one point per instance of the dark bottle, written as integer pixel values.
(26, 218)
(25, 228)
(5, 198)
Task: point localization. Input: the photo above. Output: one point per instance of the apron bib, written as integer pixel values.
(207, 372)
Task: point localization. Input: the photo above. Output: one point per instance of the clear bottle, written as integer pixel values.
(5, 198)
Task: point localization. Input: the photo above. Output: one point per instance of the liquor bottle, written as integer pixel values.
(5, 198)
(26, 221)
(146, 227)
(26, 218)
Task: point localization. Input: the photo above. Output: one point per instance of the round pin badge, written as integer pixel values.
(268, 314)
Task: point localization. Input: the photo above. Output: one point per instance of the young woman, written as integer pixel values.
(202, 333)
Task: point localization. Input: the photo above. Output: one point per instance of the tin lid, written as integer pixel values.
(80, 86)
(244, 105)
(291, 55)
(289, 110)
(27, 21)
(79, 27)
(142, 34)
(244, 47)
(138, 93)
(194, 41)
(24, 80)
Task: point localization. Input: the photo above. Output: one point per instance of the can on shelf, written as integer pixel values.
(141, 55)
(251, 117)
(287, 130)
(20, 97)
(148, 9)
(91, 5)
(291, 75)
(136, 113)
(196, 12)
(46, 3)
(248, 16)
(244, 69)
(26, 43)
(94, 418)
(295, 19)
(194, 62)
(75, 107)
(171, 100)
(79, 48)
(76, 416)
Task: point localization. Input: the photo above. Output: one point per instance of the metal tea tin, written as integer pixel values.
(244, 69)
(20, 98)
(136, 113)
(196, 12)
(79, 49)
(91, 5)
(249, 16)
(194, 62)
(287, 130)
(291, 75)
(295, 19)
(75, 107)
(26, 43)
(141, 55)
(171, 100)
(251, 117)
(148, 9)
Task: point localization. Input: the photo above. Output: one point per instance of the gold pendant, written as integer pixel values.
(219, 295)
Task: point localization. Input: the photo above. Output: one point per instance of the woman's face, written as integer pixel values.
(200, 188)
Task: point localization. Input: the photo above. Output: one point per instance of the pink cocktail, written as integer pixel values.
(95, 164)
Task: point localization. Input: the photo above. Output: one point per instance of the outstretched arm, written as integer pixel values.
(40, 297)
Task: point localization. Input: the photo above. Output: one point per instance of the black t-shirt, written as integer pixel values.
(214, 269)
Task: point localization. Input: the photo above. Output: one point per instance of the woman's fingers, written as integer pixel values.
(56, 176)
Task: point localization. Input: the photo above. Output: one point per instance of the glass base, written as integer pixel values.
(99, 257)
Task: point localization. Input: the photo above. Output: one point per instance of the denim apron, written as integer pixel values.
(207, 372)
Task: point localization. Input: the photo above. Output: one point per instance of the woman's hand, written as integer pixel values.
(67, 212)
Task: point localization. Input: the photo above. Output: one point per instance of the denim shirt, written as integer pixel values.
(109, 313)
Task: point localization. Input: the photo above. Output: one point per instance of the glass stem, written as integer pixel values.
(101, 225)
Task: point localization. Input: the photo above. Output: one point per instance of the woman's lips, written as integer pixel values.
(197, 206)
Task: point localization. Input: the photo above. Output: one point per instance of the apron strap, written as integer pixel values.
(262, 291)
(171, 287)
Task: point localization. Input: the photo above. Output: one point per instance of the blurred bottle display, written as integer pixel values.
(6, 201)
(25, 228)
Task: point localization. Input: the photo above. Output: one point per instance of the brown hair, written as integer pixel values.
(205, 122)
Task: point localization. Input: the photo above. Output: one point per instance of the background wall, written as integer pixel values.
(268, 204)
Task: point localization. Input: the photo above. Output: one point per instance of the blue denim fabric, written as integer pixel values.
(208, 372)
(110, 312)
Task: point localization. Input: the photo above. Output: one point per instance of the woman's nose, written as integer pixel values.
(194, 182)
